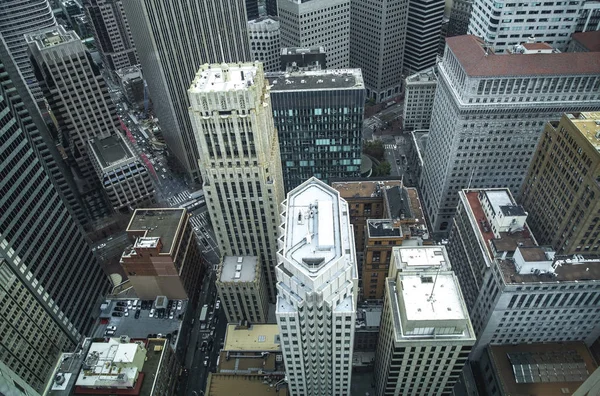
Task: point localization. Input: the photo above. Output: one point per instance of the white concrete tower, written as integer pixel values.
(239, 160)
(317, 288)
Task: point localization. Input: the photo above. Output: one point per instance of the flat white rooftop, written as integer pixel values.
(417, 291)
(421, 257)
(313, 234)
(146, 242)
(499, 198)
(224, 77)
(239, 268)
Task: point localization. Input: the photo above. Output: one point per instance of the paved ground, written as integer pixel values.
(361, 384)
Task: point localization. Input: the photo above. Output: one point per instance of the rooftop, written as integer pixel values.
(553, 366)
(427, 75)
(67, 369)
(368, 317)
(590, 40)
(385, 228)
(314, 235)
(258, 337)
(421, 258)
(470, 52)
(363, 189)
(243, 362)
(165, 223)
(316, 80)
(399, 203)
(51, 36)
(224, 77)
(302, 51)
(110, 150)
(588, 125)
(242, 385)
(264, 20)
(239, 268)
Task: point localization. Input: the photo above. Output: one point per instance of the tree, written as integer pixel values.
(374, 149)
(383, 169)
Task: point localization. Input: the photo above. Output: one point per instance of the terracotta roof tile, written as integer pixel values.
(537, 46)
(470, 53)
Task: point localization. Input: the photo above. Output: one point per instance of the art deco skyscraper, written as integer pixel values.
(50, 282)
(111, 33)
(317, 290)
(18, 17)
(79, 101)
(173, 39)
(423, 29)
(239, 161)
(317, 23)
(377, 41)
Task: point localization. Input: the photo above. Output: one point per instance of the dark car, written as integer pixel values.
(210, 345)
(117, 314)
(121, 304)
(203, 347)
(119, 309)
(397, 162)
(137, 314)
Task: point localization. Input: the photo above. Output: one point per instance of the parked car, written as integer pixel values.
(119, 309)
(206, 361)
(203, 347)
(179, 305)
(121, 304)
(218, 304)
(117, 314)
(137, 314)
(171, 315)
(152, 313)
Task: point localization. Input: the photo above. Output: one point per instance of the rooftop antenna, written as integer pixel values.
(486, 46)
(431, 297)
(221, 45)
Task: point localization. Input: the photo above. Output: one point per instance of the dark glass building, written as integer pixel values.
(318, 115)
(271, 6)
(252, 9)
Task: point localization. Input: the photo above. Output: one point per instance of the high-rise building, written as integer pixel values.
(425, 335)
(265, 42)
(48, 303)
(319, 116)
(111, 33)
(18, 17)
(242, 289)
(419, 92)
(207, 31)
(164, 259)
(133, 86)
(560, 191)
(271, 7)
(517, 291)
(317, 290)
(377, 41)
(460, 13)
(251, 9)
(589, 17)
(79, 101)
(125, 180)
(314, 23)
(230, 109)
(505, 24)
(488, 114)
(423, 29)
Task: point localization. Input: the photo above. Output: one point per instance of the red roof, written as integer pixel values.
(537, 46)
(590, 40)
(470, 53)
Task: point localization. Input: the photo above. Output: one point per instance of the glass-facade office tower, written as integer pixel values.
(317, 290)
(318, 115)
(239, 160)
(50, 282)
(173, 39)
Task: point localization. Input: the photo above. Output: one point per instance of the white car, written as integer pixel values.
(152, 313)
(129, 304)
(179, 305)
(218, 304)
(171, 315)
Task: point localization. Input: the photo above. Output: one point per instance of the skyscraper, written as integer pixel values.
(173, 39)
(504, 24)
(560, 191)
(517, 291)
(51, 283)
(239, 161)
(314, 23)
(460, 13)
(419, 93)
(271, 7)
(423, 29)
(488, 114)
(251, 9)
(377, 42)
(425, 335)
(318, 115)
(111, 33)
(317, 290)
(18, 17)
(265, 42)
(79, 101)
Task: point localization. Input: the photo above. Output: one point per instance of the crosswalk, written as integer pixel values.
(390, 146)
(180, 198)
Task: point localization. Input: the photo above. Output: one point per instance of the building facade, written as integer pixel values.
(506, 24)
(170, 53)
(242, 289)
(265, 42)
(271, 7)
(239, 160)
(111, 33)
(377, 45)
(426, 335)
(324, 23)
(133, 86)
(17, 18)
(48, 304)
(560, 192)
(319, 116)
(585, 42)
(460, 14)
(164, 259)
(488, 114)
(517, 291)
(419, 92)
(79, 101)
(125, 180)
(423, 30)
(317, 290)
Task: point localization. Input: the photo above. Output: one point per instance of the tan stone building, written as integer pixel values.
(384, 215)
(164, 259)
(561, 191)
